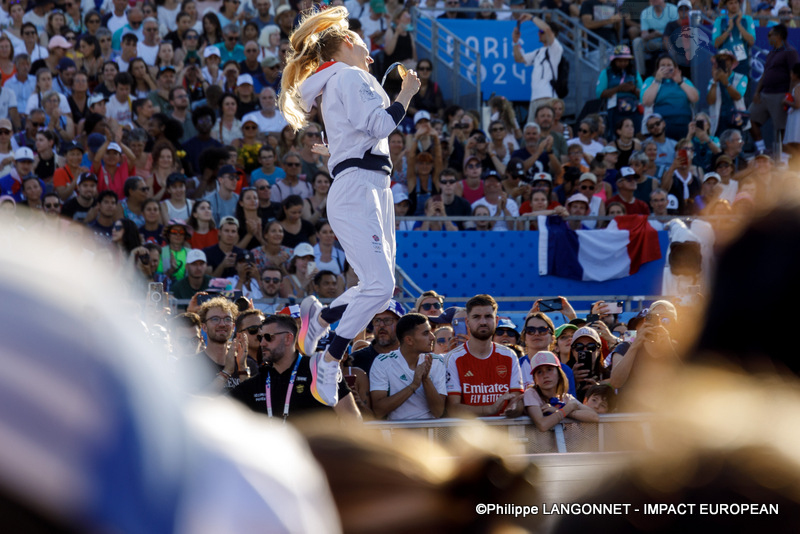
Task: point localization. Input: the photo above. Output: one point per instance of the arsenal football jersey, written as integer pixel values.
(480, 382)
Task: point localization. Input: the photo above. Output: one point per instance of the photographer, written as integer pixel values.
(586, 360)
(434, 207)
(726, 91)
(544, 61)
(652, 346)
(247, 277)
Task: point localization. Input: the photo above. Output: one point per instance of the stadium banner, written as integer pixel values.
(500, 74)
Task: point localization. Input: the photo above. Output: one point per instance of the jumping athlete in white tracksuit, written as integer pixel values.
(358, 119)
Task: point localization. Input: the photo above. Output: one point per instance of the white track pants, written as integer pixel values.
(361, 213)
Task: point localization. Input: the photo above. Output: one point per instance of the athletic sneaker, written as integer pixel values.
(325, 378)
(310, 330)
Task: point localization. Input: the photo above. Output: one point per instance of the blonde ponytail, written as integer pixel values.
(318, 37)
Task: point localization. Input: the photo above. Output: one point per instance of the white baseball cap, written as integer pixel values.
(22, 154)
(194, 255)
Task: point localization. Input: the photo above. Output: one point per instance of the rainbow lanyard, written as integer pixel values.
(288, 392)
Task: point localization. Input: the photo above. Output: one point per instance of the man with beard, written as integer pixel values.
(249, 322)
(409, 383)
(270, 284)
(223, 360)
(286, 377)
(483, 378)
(383, 326)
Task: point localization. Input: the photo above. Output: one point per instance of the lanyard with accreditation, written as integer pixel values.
(288, 392)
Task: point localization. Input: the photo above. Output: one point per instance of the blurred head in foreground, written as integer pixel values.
(100, 438)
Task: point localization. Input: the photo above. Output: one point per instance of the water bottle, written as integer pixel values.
(723, 19)
(695, 18)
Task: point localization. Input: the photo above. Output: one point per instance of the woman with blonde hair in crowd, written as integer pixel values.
(503, 110)
(332, 61)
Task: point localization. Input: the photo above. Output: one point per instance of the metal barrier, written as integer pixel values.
(614, 433)
(453, 60)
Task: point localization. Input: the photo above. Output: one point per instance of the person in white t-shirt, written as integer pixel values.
(410, 382)
(148, 49)
(544, 61)
(119, 106)
(497, 201)
(269, 119)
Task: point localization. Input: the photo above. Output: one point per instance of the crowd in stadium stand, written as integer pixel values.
(157, 128)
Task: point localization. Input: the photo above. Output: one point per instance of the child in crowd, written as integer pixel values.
(575, 158)
(268, 170)
(601, 398)
(547, 401)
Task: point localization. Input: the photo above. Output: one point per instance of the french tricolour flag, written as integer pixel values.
(596, 255)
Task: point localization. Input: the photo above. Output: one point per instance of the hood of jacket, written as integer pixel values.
(314, 84)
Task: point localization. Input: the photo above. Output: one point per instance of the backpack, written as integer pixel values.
(559, 82)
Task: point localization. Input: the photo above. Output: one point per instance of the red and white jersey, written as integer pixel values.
(480, 382)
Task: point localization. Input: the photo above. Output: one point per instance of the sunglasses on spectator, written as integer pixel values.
(268, 337)
(117, 227)
(252, 330)
(177, 231)
(473, 165)
(498, 129)
(538, 330)
(5, 132)
(216, 320)
(447, 182)
(249, 127)
(653, 124)
(291, 164)
(269, 280)
(580, 347)
(37, 124)
(135, 23)
(262, 187)
(52, 206)
(314, 134)
(583, 130)
(428, 306)
(587, 188)
(190, 37)
(506, 332)
(423, 69)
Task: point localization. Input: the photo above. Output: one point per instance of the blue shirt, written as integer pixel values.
(271, 178)
(671, 101)
(23, 90)
(237, 54)
(734, 42)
